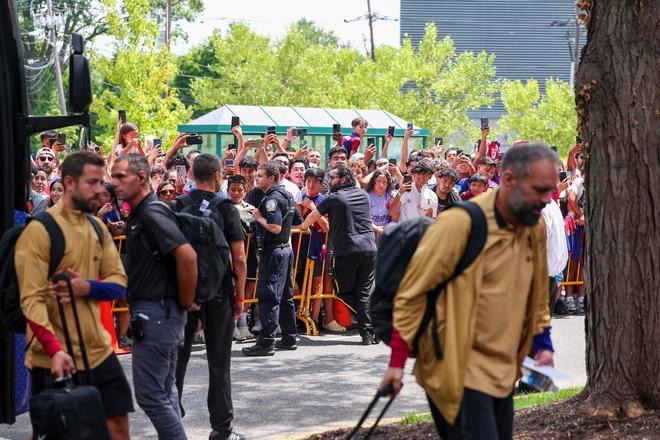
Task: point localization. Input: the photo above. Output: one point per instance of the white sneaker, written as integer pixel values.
(245, 333)
(333, 326)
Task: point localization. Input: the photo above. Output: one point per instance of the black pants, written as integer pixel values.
(275, 294)
(552, 293)
(481, 417)
(354, 280)
(218, 319)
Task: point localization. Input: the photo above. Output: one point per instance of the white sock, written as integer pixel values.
(242, 320)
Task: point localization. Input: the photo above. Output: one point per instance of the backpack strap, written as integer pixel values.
(57, 243)
(182, 202)
(475, 244)
(97, 228)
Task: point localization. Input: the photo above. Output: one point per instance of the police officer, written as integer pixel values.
(274, 217)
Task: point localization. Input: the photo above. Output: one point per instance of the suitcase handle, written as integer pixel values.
(64, 276)
(387, 390)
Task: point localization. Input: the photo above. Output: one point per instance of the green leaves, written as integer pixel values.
(432, 85)
(550, 118)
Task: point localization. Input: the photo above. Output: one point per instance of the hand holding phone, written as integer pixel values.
(390, 130)
(235, 121)
(181, 171)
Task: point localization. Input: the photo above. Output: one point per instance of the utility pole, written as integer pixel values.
(56, 59)
(168, 25)
(371, 17)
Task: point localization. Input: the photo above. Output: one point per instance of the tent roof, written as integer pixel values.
(255, 119)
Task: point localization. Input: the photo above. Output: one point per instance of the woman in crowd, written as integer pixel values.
(166, 192)
(40, 181)
(56, 191)
(381, 196)
(360, 170)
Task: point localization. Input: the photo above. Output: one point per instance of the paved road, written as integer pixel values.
(326, 383)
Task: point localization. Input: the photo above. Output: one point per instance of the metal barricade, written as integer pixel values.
(578, 279)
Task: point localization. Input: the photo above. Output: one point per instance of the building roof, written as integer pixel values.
(317, 121)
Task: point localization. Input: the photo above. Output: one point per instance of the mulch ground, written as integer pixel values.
(556, 421)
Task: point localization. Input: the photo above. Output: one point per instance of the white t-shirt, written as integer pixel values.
(557, 247)
(291, 188)
(415, 204)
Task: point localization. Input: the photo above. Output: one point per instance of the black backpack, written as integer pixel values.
(11, 316)
(209, 242)
(397, 246)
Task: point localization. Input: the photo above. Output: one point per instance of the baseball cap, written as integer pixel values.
(45, 150)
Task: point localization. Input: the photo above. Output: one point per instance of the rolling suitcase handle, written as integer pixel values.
(63, 276)
(380, 393)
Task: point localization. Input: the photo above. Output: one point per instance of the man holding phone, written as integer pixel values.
(415, 199)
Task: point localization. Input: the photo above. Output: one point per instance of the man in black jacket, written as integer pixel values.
(218, 314)
(352, 235)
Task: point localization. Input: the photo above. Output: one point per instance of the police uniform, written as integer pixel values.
(275, 285)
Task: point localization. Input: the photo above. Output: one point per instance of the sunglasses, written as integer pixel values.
(45, 158)
(166, 192)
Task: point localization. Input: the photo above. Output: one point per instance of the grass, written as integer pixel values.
(520, 401)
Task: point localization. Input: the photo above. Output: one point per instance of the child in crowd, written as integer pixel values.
(478, 184)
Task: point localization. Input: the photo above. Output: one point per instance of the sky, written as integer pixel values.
(269, 17)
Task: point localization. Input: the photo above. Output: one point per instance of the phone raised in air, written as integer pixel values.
(194, 139)
(437, 141)
(270, 130)
(299, 132)
(484, 123)
(121, 115)
(407, 178)
(181, 171)
(235, 121)
(390, 130)
(371, 141)
(409, 126)
(563, 176)
(157, 143)
(392, 162)
(336, 128)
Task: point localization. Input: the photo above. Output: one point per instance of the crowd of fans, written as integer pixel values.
(345, 207)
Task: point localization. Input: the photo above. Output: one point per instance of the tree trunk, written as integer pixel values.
(618, 99)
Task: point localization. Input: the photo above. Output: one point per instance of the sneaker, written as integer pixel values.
(333, 326)
(217, 435)
(258, 350)
(570, 304)
(368, 339)
(580, 306)
(199, 337)
(242, 334)
(124, 343)
(280, 345)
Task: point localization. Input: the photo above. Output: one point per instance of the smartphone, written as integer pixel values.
(255, 143)
(299, 132)
(563, 176)
(459, 152)
(409, 126)
(407, 178)
(194, 139)
(229, 162)
(336, 128)
(437, 141)
(390, 130)
(484, 123)
(180, 171)
(270, 130)
(121, 115)
(393, 161)
(371, 141)
(157, 143)
(231, 147)
(61, 138)
(235, 121)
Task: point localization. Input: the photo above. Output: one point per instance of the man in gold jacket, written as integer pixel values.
(489, 317)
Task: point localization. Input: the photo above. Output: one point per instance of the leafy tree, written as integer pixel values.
(137, 78)
(550, 118)
(315, 35)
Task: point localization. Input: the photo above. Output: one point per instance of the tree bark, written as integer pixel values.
(618, 100)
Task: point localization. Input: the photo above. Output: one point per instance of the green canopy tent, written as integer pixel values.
(215, 127)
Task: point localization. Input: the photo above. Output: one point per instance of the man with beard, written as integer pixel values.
(90, 256)
(46, 160)
(493, 314)
(351, 232)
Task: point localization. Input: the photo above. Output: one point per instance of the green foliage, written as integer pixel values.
(432, 86)
(550, 118)
(136, 78)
